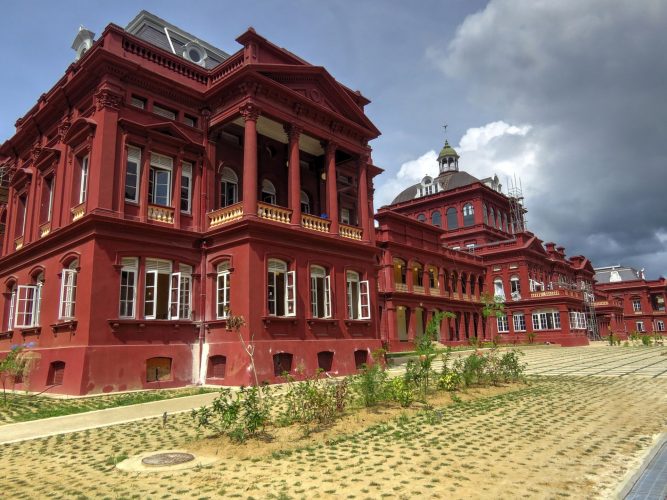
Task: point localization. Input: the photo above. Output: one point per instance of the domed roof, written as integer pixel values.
(446, 181)
(446, 151)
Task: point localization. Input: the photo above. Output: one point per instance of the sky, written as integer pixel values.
(569, 97)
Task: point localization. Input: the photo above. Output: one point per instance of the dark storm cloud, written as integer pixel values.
(590, 78)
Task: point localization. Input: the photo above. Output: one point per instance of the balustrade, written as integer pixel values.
(401, 287)
(78, 211)
(315, 223)
(418, 289)
(161, 214)
(45, 229)
(354, 233)
(274, 213)
(225, 215)
(18, 243)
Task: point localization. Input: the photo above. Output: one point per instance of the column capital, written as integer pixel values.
(330, 147)
(250, 111)
(293, 131)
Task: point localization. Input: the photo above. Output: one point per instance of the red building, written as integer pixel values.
(543, 292)
(640, 302)
(162, 183)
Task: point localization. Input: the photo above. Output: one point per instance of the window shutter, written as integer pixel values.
(158, 265)
(129, 262)
(174, 303)
(364, 300)
(277, 266)
(163, 161)
(327, 296)
(26, 305)
(290, 294)
(185, 268)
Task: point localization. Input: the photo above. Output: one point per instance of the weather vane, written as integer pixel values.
(445, 127)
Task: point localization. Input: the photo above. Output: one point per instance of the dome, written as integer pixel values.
(446, 181)
(447, 151)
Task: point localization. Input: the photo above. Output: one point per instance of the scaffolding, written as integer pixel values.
(517, 209)
(591, 319)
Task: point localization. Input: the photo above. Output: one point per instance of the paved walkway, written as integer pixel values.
(652, 483)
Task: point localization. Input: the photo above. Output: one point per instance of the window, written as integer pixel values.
(452, 216)
(190, 121)
(132, 174)
(436, 219)
(47, 200)
(268, 192)
(636, 305)
(418, 274)
(515, 287)
(492, 218)
(158, 369)
(28, 303)
(282, 363)
(56, 373)
(358, 303)
(519, 322)
(223, 289)
(505, 222)
(468, 214)
(498, 290)
(21, 215)
(325, 360)
(433, 278)
(180, 306)
(499, 220)
(186, 187)
(503, 325)
(128, 287)
(546, 320)
(345, 215)
(138, 102)
(281, 289)
(640, 326)
(320, 292)
(12, 305)
(577, 320)
(400, 272)
(660, 326)
(83, 179)
(167, 113)
(485, 214)
(360, 358)
(156, 292)
(421, 218)
(68, 291)
(217, 367)
(229, 187)
(159, 180)
(305, 203)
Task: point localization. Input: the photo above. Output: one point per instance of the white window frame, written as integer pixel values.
(319, 275)
(83, 182)
(50, 183)
(130, 268)
(66, 308)
(305, 203)
(290, 293)
(186, 173)
(12, 306)
(160, 163)
(180, 296)
(345, 216)
(660, 326)
(519, 320)
(359, 296)
(164, 112)
(499, 288)
(275, 268)
(541, 320)
(223, 289)
(228, 178)
(268, 192)
(640, 326)
(27, 306)
(161, 268)
(503, 324)
(636, 305)
(133, 156)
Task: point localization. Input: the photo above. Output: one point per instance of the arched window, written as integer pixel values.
(492, 217)
(68, 291)
(229, 187)
(452, 218)
(28, 303)
(305, 203)
(498, 290)
(505, 226)
(400, 272)
(158, 369)
(325, 360)
(281, 289)
(11, 306)
(436, 219)
(464, 283)
(515, 287)
(499, 220)
(268, 192)
(485, 214)
(417, 274)
(468, 214)
(223, 290)
(282, 363)
(56, 373)
(433, 283)
(358, 297)
(421, 218)
(360, 358)
(217, 366)
(320, 292)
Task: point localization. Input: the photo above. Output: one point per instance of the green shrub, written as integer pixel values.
(370, 384)
(450, 381)
(402, 391)
(646, 340)
(511, 369)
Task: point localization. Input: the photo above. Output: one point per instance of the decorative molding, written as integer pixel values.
(106, 98)
(293, 132)
(250, 112)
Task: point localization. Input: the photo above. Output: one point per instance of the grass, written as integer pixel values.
(24, 407)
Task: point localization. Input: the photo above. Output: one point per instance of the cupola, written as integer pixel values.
(448, 159)
(83, 42)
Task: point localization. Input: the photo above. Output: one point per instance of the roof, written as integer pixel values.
(447, 150)
(165, 35)
(447, 180)
(615, 274)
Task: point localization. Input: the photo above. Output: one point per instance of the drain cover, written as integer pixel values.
(165, 459)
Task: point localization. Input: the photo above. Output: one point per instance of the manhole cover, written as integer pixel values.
(165, 459)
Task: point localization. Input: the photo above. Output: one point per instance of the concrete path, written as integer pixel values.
(23, 431)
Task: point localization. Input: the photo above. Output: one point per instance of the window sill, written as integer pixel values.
(69, 325)
(279, 319)
(322, 321)
(118, 324)
(6, 335)
(216, 322)
(364, 322)
(35, 330)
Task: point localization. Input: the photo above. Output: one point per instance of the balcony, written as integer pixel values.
(274, 213)
(351, 232)
(435, 292)
(161, 214)
(78, 211)
(313, 223)
(418, 289)
(18, 243)
(225, 215)
(44, 229)
(455, 295)
(401, 287)
(556, 293)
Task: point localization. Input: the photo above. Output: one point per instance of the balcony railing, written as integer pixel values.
(418, 289)
(78, 211)
(434, 291)
(601, 303)
(315, 223)
(401, 287)
(274, 213)
(354, 233)
(18, 243)
(45, 229)
(556, 293)
(455, 295)
(161, 214)
(225, 215)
